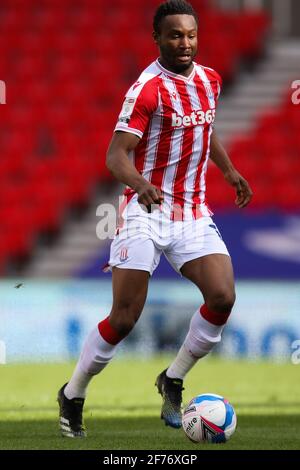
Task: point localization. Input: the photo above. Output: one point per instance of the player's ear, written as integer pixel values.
(155, 36)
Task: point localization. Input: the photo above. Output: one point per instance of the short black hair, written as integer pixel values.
(172, 7)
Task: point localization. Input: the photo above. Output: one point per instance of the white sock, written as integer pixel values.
(200, 340)
(95, 356)
(182, 364)
(76, 387)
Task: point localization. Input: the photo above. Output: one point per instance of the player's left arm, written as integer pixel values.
(220, 157)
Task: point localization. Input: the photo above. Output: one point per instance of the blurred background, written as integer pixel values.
(65, 66)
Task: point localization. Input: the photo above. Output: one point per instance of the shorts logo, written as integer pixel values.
(196, 118)
(123, 254)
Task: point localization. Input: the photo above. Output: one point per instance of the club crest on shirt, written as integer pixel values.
(127, 109)
(209, 93)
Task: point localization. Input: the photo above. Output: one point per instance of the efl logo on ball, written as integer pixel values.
(209, 418)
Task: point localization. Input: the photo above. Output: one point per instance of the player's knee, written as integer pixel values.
(221, 302)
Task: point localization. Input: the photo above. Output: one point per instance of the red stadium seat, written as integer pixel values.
(255, 24)
(16, 232)
(276, 146)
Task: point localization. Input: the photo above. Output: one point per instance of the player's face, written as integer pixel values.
(177, 41)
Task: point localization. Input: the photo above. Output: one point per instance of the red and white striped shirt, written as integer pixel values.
(173, 116)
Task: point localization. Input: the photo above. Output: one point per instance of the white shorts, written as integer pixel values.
(144, 237)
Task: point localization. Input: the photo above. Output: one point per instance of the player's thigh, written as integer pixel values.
(130, 287)
(213, 274)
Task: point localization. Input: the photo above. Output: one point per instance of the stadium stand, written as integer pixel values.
(65, 77)
(269, 156)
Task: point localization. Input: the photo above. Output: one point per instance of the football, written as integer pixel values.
(209, 418)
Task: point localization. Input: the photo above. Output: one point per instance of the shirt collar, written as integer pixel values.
(176, 75)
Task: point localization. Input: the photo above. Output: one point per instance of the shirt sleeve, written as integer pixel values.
(139, 104)
(215, 81)
(219, 85)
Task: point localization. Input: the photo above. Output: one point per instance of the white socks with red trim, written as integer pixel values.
(96, 354)
(100, 346)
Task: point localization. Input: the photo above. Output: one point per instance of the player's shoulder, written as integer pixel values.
(211, 74)
(147, 81)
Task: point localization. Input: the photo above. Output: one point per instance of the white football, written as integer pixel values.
(209, 418)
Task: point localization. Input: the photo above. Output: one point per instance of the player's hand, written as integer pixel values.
(243, 190)
(148, 195)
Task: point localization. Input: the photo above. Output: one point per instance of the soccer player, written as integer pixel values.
(160, 150)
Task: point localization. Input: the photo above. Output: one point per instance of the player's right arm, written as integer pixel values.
(119, 164)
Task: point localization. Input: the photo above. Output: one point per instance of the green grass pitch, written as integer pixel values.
(123, 407)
